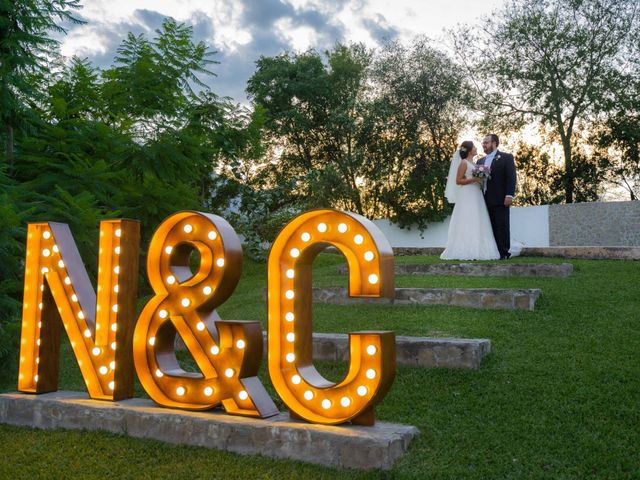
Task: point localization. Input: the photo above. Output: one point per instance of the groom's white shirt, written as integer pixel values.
(489, 158)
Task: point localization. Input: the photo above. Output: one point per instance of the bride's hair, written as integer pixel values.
(465, 148)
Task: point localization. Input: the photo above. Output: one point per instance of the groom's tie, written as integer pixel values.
(484, 180)
(487, 163)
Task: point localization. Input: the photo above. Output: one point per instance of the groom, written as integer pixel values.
(499, 191)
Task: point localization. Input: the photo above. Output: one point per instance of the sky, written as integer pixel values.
(241, 31)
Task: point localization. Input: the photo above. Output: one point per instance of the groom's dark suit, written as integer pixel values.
(501, 184)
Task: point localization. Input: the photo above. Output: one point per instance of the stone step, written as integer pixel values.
(349, 446)
(504, 269)
(413, 351)
(591, 253)
(485, 298)
(426, 352)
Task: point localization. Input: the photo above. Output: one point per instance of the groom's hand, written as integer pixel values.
(508, 201)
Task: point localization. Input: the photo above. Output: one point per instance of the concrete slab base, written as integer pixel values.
(484, 298)
(356, 447)
(504, 269)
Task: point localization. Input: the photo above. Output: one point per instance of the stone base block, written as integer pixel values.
(357, 447)
(485, 298)
(504, 269)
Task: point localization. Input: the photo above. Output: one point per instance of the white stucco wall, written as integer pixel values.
(434, 236)
(529, 226)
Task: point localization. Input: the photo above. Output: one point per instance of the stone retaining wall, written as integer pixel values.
(610, 224)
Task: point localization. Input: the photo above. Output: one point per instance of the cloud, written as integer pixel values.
(379, 29)
(150, 19)
(266, 12)
(99, 40)
(243, 30)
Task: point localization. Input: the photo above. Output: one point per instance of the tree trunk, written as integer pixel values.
(628, 187)
(568, 170)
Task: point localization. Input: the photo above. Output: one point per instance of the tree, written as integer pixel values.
(415, 119)
(370, 132)
(538, 176)
(618, 138)
(12, 214)
(25, 47)
(622, 135)
(98, 148)
(557, 62)
(312, 112)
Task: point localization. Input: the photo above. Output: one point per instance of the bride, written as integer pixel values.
(470, 234)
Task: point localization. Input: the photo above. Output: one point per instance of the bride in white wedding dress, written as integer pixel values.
(470, 235)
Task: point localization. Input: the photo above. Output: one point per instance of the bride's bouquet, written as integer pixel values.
(481, 171)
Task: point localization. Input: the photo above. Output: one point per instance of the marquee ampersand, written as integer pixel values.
(100, 329)
(228, 353)
(372, 354)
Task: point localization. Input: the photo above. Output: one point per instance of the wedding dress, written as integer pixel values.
(470, 236)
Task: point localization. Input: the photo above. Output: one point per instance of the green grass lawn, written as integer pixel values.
(558, 398)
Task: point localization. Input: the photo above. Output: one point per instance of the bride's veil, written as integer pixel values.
(452, 188)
